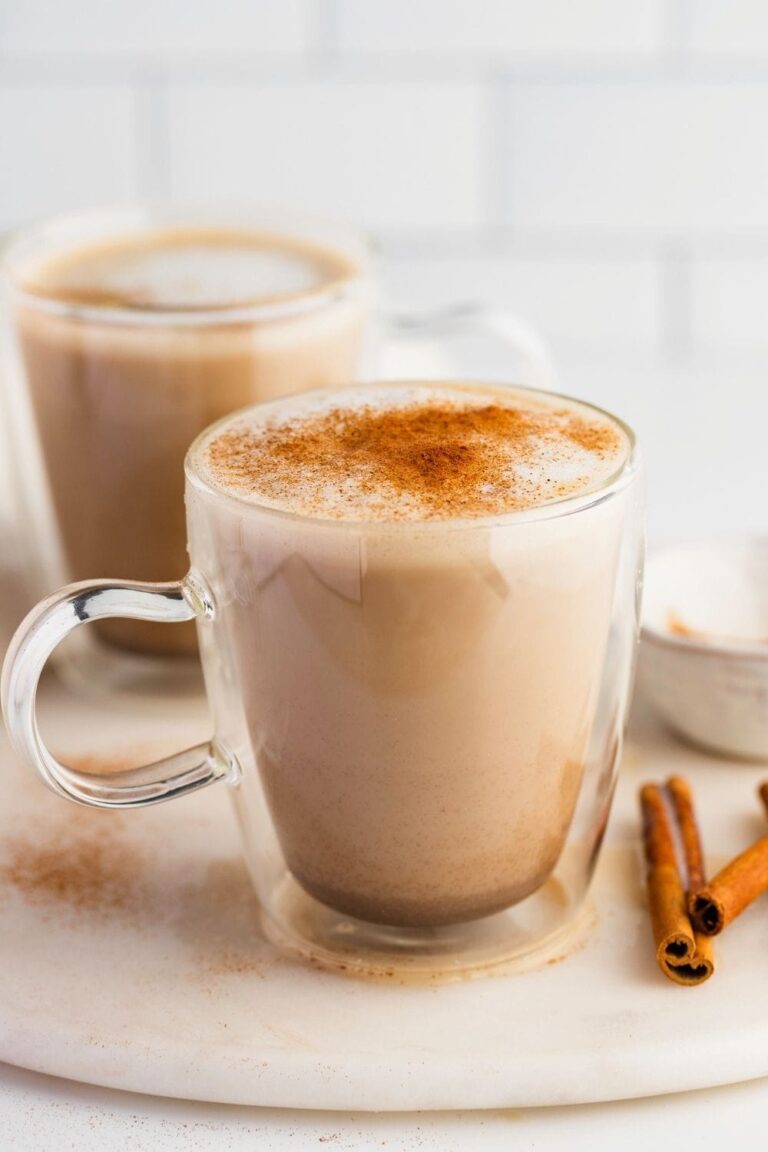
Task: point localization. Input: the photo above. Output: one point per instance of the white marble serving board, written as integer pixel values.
(130, 957)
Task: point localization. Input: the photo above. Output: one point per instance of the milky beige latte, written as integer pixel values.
(419, 631)
(134, 345)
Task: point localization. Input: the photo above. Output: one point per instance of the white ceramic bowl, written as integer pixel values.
(704, 653)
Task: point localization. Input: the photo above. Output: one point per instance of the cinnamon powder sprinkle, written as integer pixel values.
(438, 458)
(92, 870)
(82, 861)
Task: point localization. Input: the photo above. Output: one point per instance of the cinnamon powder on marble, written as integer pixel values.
(83, 861)
(89, 872)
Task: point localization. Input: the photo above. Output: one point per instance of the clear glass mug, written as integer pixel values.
(16, 546)
(419, 723)
(104, 399)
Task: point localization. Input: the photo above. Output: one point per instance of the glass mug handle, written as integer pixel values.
(43, 629)
(489, 322)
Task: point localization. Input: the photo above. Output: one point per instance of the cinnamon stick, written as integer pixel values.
(763, 794)
(681, 798)
(682, 954)
(716, 904)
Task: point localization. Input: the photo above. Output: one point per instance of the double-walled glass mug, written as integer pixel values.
(133, 330)
(419, 722)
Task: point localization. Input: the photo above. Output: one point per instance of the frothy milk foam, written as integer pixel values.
(190, 270)
(118, 403)
(418, 681)
(414, 453)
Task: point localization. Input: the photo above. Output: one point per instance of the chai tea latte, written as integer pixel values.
(135, 344)
(418, 630)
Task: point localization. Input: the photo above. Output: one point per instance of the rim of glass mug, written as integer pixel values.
(565, 506)
(69, 230)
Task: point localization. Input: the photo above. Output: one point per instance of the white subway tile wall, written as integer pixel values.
(723, 26)
(391, 156)
(672, 159)
(730, 305)
(65, 147)
(598, 164)
(502, 29)
(150, 28)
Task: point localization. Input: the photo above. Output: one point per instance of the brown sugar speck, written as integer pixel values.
(437, 458)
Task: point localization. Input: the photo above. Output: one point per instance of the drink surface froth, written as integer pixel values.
(413, 452)
(183, 269)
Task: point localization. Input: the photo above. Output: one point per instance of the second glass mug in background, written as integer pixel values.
(105, 399)
(420, 722)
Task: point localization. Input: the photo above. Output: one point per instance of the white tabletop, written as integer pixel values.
(43, 1114)
(40, 1113)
